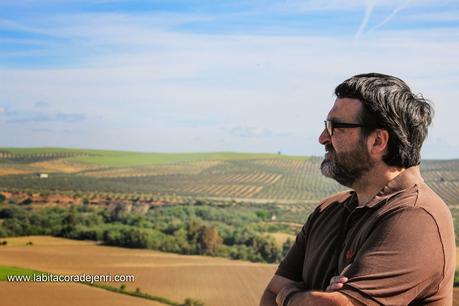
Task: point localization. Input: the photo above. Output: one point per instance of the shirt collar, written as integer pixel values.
(351, 202)
(408, 178)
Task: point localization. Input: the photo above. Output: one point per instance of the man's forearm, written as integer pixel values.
(318, 298)
(275, 286)
(307, 298)
(268, 299)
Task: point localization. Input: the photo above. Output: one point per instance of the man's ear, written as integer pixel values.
(379, 142)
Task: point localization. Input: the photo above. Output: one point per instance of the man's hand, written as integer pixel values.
(318, 298)
(336, 283)
(280, 287)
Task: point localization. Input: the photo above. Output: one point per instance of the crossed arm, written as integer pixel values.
(279, 288)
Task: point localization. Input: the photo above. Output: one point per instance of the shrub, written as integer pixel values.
(192, 302)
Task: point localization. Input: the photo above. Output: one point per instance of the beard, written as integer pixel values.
(346, 167)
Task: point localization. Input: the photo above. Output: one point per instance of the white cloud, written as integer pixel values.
(392, 15)
(281, 84)
(451, 15)
(142, 87)
(346, 5)
(370, 4)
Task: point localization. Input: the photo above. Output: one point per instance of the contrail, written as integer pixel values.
(370, 5)
(394, 12)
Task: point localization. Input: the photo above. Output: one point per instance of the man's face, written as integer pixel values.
(347, 158)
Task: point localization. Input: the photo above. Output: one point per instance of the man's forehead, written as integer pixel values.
(345, 109)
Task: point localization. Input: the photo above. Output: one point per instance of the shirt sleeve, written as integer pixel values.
(401, 261)
(291, 266)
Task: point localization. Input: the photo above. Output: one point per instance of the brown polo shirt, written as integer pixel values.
(398, 249)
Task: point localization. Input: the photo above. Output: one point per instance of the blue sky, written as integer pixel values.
(187, 76)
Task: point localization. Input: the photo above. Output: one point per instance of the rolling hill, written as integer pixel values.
(180, 178)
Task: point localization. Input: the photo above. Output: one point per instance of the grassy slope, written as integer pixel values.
(40, 150)
(127, 159)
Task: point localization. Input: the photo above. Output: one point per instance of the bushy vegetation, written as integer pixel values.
(233, 232)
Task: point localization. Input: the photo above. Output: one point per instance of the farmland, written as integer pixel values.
(144, 180)
(170, 177)
(58, 294)
(183, 178)
(215, 281)
(234, 205)
(286, 187)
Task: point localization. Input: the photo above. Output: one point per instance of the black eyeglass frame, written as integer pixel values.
(331, 125)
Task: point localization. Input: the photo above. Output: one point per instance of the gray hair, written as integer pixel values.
(389, 104)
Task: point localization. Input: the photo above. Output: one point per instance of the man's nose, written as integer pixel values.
(324, 137)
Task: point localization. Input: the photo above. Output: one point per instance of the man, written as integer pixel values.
(389, 241)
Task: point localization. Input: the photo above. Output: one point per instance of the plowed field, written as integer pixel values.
(215, 281)
(58, 294)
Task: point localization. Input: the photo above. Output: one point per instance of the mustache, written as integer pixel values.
(329, 148)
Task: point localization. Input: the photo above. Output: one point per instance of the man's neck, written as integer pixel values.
(376, 179)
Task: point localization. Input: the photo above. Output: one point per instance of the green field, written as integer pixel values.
(126, 158)
(7, 271)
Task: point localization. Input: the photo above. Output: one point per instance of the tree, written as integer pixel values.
(266, 248)
(119, 213)
(192, 302)
(210, 240)
(3, 232)
(193, 227)
(113, 236)
(70, 222)
(140, 238)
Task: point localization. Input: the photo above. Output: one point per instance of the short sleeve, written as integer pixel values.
(291, 266)
(401, 261)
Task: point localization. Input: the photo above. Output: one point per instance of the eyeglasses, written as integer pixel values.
(330, 126)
